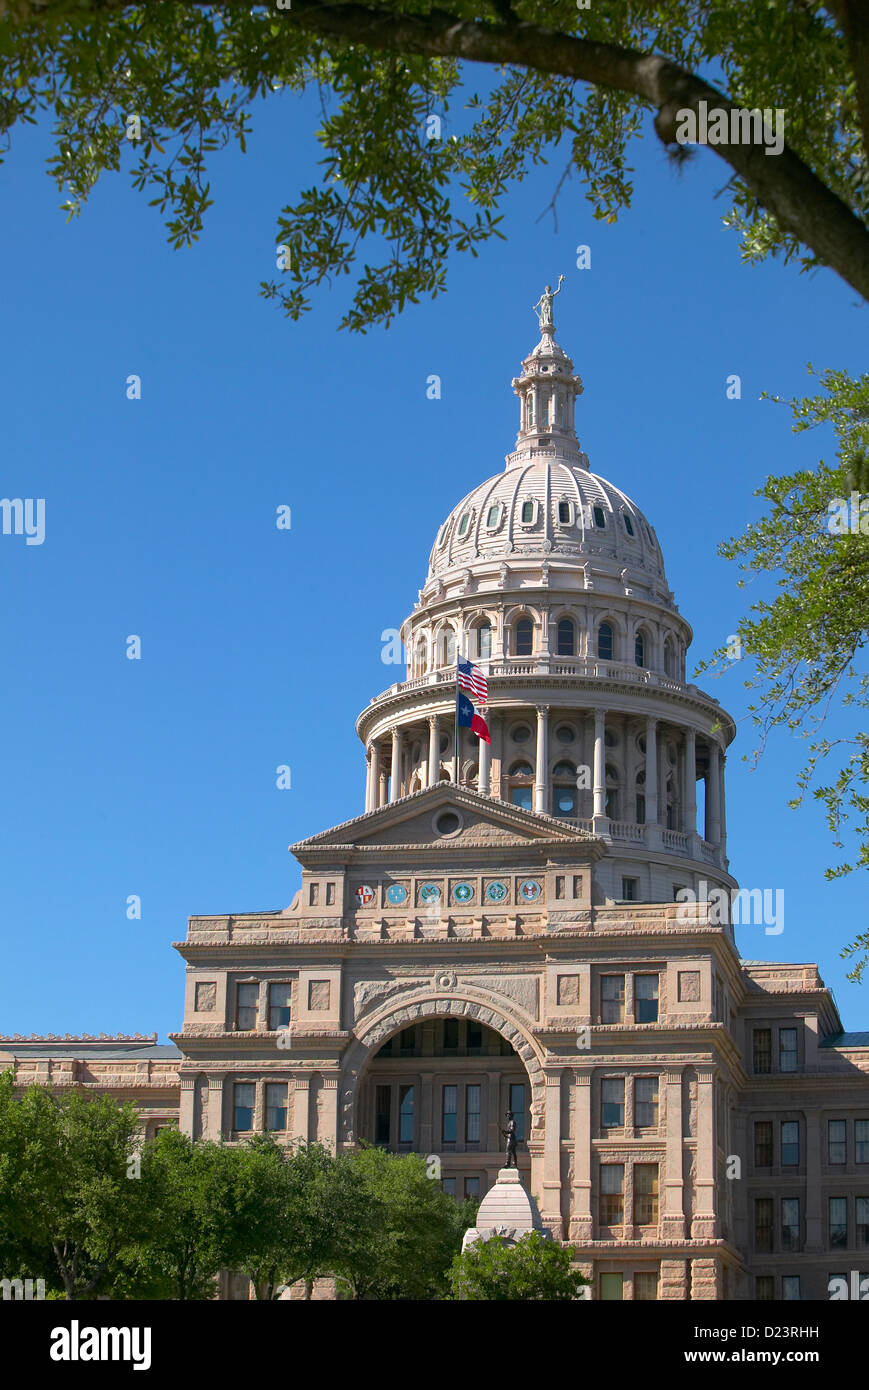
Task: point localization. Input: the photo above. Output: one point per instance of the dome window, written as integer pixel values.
(611, 738)
(493, 517)
(521, 733)
(605, 642)
(527, 513)
(521, 770)
(629, 526)
(524, 637)
(640, 649)
(564, 770)
(464, 524)
(564, 513)
(484, 641)
(599, 518)
(566, 639)
(565, 734)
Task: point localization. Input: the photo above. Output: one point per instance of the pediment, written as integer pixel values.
(419, 820)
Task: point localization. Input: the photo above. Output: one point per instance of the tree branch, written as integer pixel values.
(783, 184)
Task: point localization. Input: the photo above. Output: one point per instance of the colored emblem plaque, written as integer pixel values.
(496, 892)
(396, 895)
(429, 893)
(529, 889)
(463, 892)
(365, 895)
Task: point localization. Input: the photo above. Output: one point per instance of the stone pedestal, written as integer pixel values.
(507, 1211)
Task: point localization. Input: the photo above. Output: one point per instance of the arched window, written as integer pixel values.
(672, 805)
(564, 513)
(605, 642)
(464, 524)
(612, 792)
(484, 641)
(564, 790)
(629, 525)
(530, 399)
(521, 789)
(447, 647)
(566, 641)
(640, 649)
(668, 657)
(524, 637)
(527, 512)
(421, 656)
(641, 798)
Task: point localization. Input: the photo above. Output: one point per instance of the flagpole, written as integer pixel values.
(456, 745)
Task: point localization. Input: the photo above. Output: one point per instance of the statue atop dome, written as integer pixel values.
(543, 307)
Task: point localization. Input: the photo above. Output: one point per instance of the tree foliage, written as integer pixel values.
(808, 644)
(534, 1269)
(560, 82)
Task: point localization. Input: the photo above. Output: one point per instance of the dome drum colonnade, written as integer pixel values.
(553, 581)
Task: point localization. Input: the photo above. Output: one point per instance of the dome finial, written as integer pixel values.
(543, 307)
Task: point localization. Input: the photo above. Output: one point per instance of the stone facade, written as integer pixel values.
(498, 930)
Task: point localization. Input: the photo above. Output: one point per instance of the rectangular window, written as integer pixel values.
(646, 998)
(630, 888)
(862, 1205)
(763, 1143)
(612, 998)
(405, 1114)
(764, 1288)
(314, 894)
(790, 1143)
(451, 1034)
(645, 1194)
(861, 1141)
(646, 1102)
(517, 1105)
(612, 1189)
(276, 1105)
(330, 894)
(475, 1037)
(787, 1049)
(763, 1225)
(472, 1114)
(646, 1286)
(408, 1041)
(448, 1113)
(449, 1185)
(790, 1223)
(838, 1223)
(243, 1101)
(611, 1285)
(837, 1141)
(790, 1288)
(245, 1007)
(280, 997)
(763, 1050)
(382, 1114)
(521, 796)
(612, 1103)
(472, 1188)
(559, 885)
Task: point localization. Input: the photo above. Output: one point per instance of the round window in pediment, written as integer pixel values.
(447, 823)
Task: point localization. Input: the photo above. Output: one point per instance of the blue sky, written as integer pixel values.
(259, 647)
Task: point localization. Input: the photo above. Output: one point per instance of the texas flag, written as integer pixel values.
(469, 719)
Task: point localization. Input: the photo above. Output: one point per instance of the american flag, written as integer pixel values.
(472, 679)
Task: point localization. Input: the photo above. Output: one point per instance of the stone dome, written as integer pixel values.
(547, 506)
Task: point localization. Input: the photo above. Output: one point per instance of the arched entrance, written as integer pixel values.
(436, 1076)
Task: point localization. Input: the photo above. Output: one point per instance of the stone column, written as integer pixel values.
(599, 772)
(722, 833)
(629, 799)
(713, 797)
(550, 1210)
(704, 1223)
(368, 778)
(493, 1111)
(395, 776)
(186, 1109)
(301, 1107)
(434, 750)
(374, 777)
(484, 767)
(328, 1118)
(541, 771)
(673, 1214)
(384, 787)
(652, 814)
(814, 1221)
(215, 1108)
(581, 1220)
(690, 799)
(426, 1113)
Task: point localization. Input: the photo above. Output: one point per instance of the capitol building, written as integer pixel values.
(525, 925)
